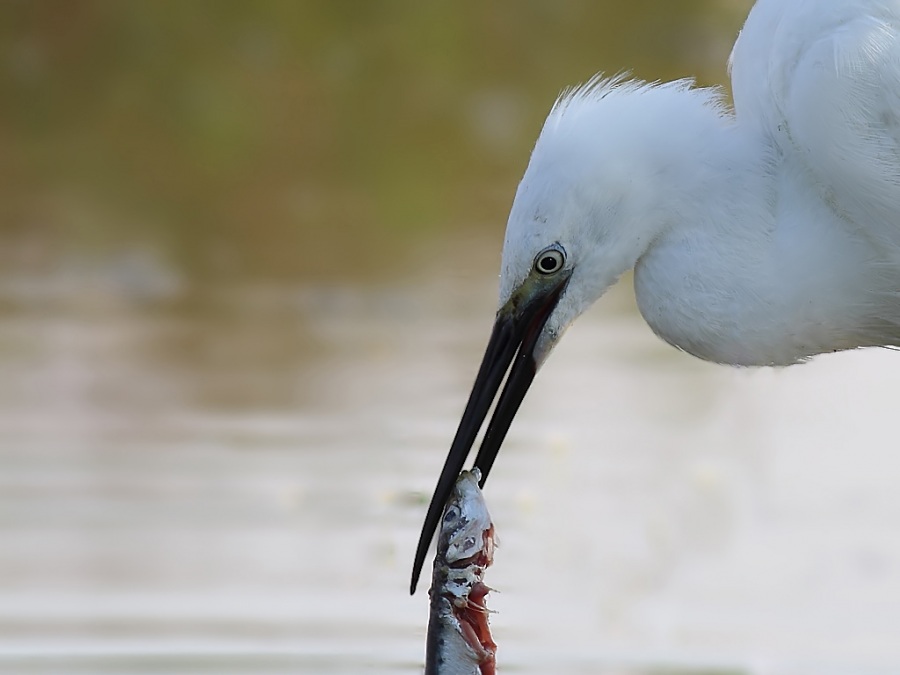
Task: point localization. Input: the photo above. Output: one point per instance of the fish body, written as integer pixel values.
(459, 639)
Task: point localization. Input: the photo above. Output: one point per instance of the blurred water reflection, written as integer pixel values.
(248, 269)
(175, 498)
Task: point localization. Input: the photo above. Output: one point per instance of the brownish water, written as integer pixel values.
(249, 270)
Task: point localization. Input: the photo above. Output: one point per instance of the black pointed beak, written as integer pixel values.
(513, 340)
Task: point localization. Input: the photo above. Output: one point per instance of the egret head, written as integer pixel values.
(585, 210)
(593, 199)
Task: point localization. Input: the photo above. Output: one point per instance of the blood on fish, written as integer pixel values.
(459, 637)
(474, 623)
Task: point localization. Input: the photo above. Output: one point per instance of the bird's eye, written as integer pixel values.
(550, 260)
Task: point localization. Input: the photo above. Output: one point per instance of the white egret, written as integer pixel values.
(759, 236)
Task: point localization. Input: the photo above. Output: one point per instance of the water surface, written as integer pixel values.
(249, 266)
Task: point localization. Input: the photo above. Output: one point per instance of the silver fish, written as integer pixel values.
(459, 638)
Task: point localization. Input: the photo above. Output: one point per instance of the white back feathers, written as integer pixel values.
(758, 239)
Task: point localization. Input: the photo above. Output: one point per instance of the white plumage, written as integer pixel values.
(759, 236)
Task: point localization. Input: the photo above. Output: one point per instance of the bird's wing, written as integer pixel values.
(822, 78)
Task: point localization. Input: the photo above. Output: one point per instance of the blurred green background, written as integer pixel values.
(303, 140)
(248, 259)
(248, 265)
